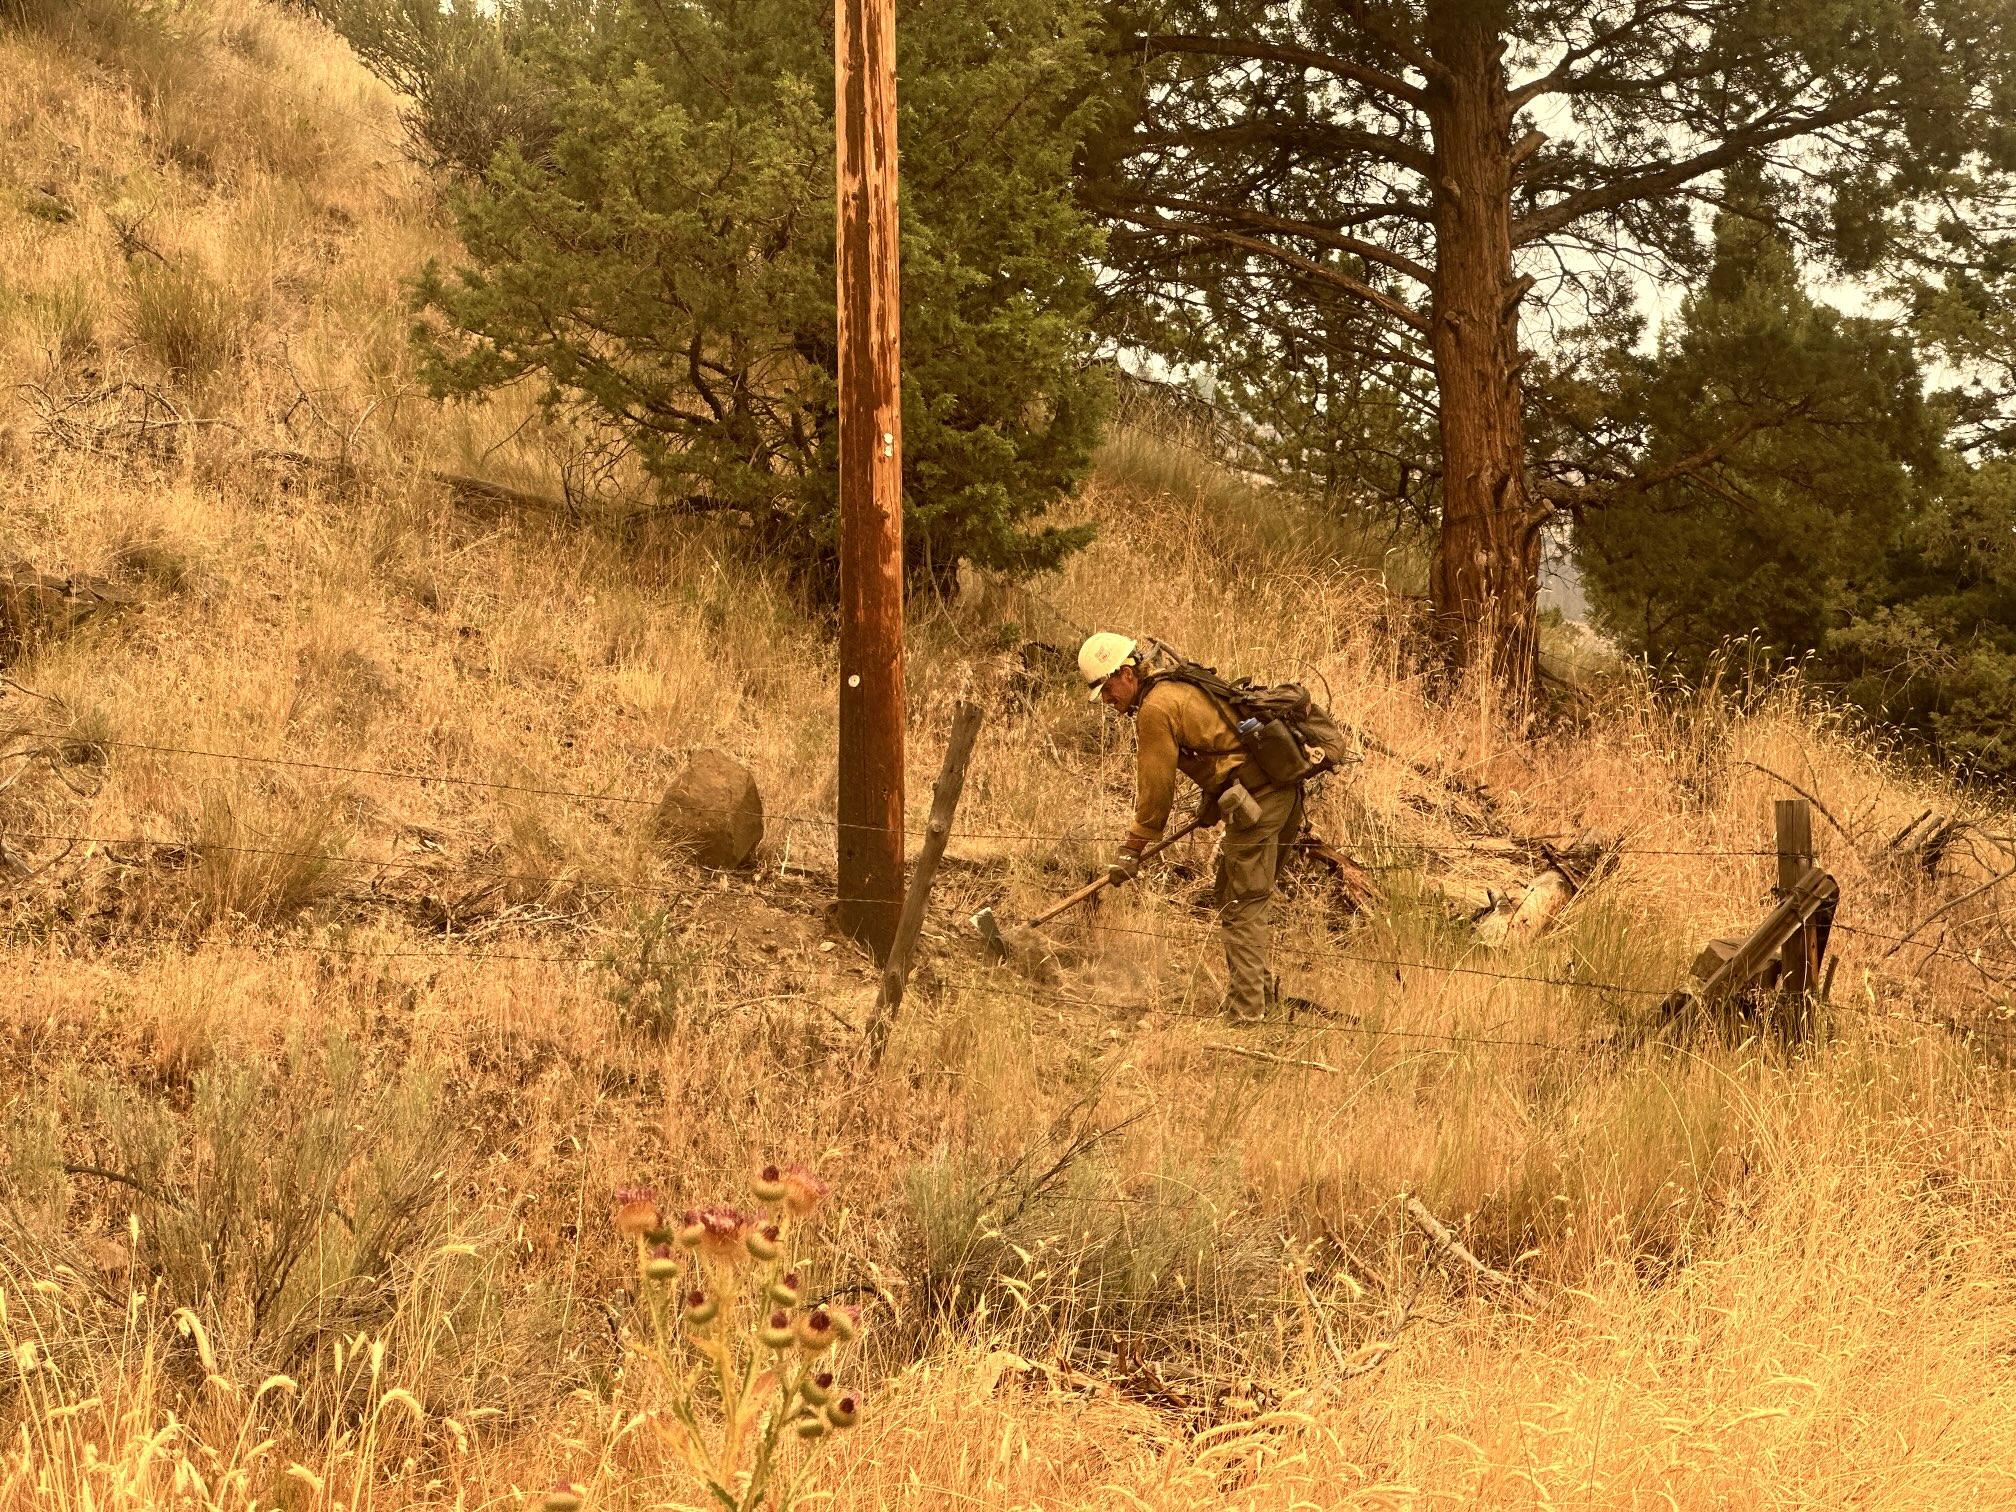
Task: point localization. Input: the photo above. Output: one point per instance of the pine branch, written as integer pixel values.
(1260, 220)
(1357, 288)
(1559, 79)
(1661, 178)
(1339, 144)
(1256, 51)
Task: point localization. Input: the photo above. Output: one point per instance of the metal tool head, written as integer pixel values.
(990, 931)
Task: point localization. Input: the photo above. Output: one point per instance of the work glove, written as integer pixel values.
(1124, 867)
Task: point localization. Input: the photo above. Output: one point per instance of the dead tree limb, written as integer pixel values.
(1269, 1058)
(1945, 908)
(1445, 1240)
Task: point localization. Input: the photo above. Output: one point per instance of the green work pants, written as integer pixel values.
(1249, 865)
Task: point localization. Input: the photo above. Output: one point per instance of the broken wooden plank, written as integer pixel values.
(1750, 964)
(944, 805)
(1354, 886)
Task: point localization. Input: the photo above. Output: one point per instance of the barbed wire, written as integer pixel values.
(440, 867)
(197, 848)
(436, 867)
(998, 984)
(1191, 936)
(1375, 1031)
(1082, 836)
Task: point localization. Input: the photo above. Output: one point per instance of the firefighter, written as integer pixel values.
(1178, 727)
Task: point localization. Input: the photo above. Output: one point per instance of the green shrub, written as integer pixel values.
(649, 980)
(658, 257)
(284, 1240)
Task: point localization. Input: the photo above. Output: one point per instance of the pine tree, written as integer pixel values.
(1470, 177)
(1795, 445)
(1841, 529)
(1935, 656)
(655, 250)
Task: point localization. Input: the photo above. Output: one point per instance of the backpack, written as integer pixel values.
(1289, 735)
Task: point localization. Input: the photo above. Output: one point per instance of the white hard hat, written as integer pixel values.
(1103, 654)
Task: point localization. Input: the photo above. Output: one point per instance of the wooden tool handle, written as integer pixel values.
(1092, 888)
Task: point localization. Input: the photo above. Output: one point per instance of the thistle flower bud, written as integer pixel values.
(691, 1230)
(815, 1331)
(564, 1497)
(846, 1322)
(769, 1185)
(812, 1428)
(777, 1333)
(803, 1191)
(661, 1265)
(700, 1309)
(763, 1242)
(636, 1211)
(784, 1290)
(844, 1413)
(661, 1234)
(817, 1388)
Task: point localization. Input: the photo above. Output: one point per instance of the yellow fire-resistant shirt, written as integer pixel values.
(1177, 728)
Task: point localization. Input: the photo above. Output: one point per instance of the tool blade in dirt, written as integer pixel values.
(990, 931)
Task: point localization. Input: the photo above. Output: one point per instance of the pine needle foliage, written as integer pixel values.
(656, 253)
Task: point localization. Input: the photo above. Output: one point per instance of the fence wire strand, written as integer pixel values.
(580, 795)
(1193, 936)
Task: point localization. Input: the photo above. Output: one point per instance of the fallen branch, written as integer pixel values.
(17, 872)
(1566, 875)
(1446, 1240)
(1270, 1058)
(1945, 908)
(145, 1189)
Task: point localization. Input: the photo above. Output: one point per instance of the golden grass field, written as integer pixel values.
(311, 1113)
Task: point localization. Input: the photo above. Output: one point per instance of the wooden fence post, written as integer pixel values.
(1783, 954)
(1794, 823)
(937, 830)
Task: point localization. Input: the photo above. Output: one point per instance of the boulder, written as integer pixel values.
(712, 812)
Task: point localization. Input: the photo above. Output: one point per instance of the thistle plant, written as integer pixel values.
(746, 1365)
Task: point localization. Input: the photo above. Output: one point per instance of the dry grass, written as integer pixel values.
(1759, 1277)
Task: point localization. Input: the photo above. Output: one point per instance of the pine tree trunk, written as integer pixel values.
(1486, 573)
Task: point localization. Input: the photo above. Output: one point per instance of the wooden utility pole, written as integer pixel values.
(871, 476)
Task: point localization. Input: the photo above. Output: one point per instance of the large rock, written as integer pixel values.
(712, 812)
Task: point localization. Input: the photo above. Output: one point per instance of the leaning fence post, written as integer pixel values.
(937, 829)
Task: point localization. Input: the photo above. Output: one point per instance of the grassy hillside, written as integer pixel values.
(325, 1053)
